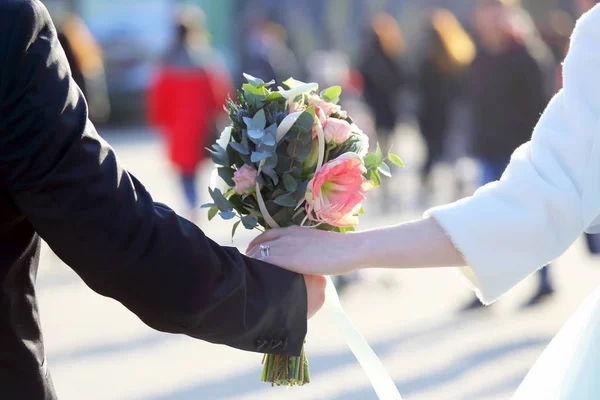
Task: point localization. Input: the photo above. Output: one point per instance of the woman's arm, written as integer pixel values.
(415, 244)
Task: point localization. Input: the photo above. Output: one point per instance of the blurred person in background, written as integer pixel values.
(186, 98)
(448, 52)
(583, 6)
(267, 55)
(556, 31)
(87, 64)
(384, 78)
(509, 91)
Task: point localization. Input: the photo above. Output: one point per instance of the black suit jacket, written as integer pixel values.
(60, 181)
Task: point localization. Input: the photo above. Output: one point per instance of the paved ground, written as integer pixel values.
(98, 350)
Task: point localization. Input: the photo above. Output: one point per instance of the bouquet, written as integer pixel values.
(292, 157)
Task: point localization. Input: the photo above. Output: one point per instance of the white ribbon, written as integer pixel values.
(381, 381)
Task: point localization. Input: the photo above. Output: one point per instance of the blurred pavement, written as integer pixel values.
(98, 350)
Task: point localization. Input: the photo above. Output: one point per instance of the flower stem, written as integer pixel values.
(285, 370)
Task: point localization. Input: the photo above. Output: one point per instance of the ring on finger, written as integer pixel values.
(265, 250)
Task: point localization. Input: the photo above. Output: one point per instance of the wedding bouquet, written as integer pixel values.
(292, 157)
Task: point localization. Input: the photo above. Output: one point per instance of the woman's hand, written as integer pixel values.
(307, 251)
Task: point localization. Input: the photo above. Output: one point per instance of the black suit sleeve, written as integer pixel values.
(101, 221)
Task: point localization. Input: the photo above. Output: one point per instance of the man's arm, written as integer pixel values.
(102, 222)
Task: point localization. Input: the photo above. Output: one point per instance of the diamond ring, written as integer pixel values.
(264, 251)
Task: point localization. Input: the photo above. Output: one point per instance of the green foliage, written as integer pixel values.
(249, 221)
(395, 160)
(227, 175)
(235, 226)
(212, 212)
(290, 183)
(220, 201)
(219, 155)
(332, 94)
(376, 165)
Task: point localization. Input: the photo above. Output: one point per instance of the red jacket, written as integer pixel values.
(183, 104)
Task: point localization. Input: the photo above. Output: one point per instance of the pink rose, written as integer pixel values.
(320, 117)
(335, 193)
(245, 179)
(327, 107)
(337, 130)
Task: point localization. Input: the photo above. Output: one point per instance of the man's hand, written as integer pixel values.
(315, 293)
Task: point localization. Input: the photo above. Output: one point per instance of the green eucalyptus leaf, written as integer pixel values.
(239, 148)
(249, 90)
(303, 151)
(332, 93)
(227, 215)
(227, 175)
(212, 212)
(249, 222)
(219, 158)
(290, 183)
(395, 159)
(371, 160)
(271, 162)
(269, 140)
(374, 177)
(271, 130)
(385, 170)
(285, 200)
(259, 121)
(258, 156)
(301, 190)
(255, 101)
(275, 96)
(270, 172)
(235, 226)
(237, 201)
(260, 179)
(256, 134)
(220, 201)
(248, 122)
(302, 128)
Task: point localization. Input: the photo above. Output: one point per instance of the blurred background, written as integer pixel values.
(454, 86)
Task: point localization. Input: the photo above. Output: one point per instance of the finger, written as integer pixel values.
(315, 287)
(270, 235)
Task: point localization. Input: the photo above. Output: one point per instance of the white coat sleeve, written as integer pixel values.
(550, 192)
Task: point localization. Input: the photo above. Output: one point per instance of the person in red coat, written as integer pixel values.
(186, 97)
